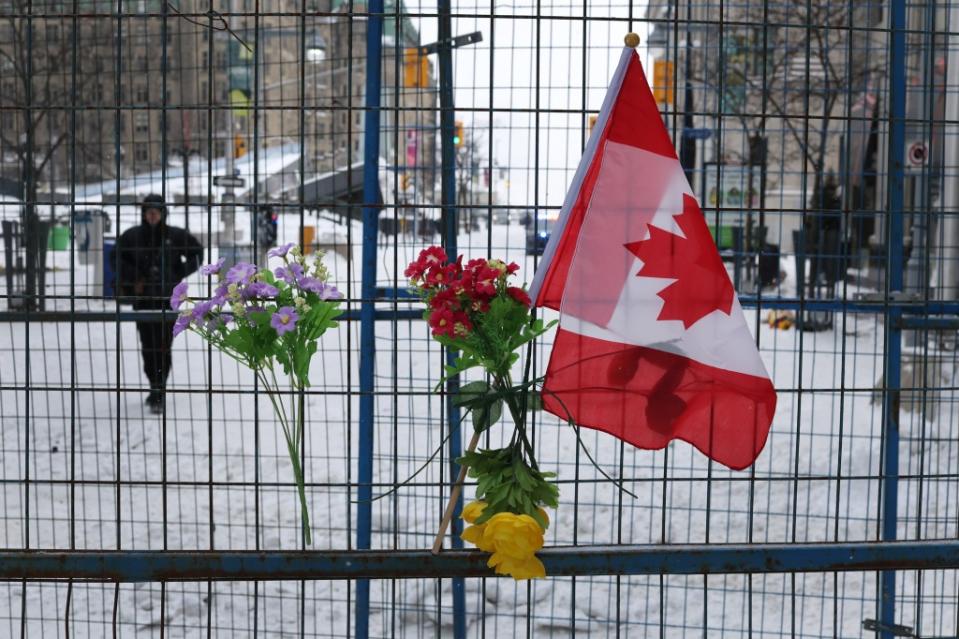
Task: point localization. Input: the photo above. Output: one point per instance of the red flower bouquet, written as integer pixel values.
(474, 310)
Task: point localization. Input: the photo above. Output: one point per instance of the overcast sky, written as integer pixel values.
(557, 27)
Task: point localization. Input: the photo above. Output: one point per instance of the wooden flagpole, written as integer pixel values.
(454, 497)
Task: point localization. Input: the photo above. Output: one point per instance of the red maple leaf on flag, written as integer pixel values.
(702, 284)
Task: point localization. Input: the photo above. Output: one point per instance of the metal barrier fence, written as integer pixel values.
(820, 137)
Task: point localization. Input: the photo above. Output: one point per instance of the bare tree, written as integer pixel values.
(37, 93)
(794, 67)
(794, 64)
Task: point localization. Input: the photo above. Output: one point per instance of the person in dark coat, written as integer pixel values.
(152, 258)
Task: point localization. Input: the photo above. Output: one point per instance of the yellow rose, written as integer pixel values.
(474, 535)
(528, 568)
(516, 536)
(472, 511)
(544, 515)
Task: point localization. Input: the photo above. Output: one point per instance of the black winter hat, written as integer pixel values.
(153, 201)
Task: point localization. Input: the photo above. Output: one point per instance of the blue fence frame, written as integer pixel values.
(887, 556)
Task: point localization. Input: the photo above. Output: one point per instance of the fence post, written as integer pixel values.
(894, 281)
(450, 229)
(371, 196)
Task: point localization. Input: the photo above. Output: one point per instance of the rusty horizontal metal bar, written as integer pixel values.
(144, 566)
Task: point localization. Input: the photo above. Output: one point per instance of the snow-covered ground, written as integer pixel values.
(92, 469)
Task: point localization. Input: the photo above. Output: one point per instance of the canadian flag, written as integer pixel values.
(652, 342)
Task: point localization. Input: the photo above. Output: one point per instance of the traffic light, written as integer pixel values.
(416, 69)
(404, 181)
(240, 77)
(663, 81)
(592, 123)
(458, 137)
(239, 146)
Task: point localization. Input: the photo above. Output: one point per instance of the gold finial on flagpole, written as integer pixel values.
(632, 40)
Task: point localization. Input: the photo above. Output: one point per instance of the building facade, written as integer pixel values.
(112, 96)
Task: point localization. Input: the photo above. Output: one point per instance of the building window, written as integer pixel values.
(205, 59)
(141, 153)
(142, 94)
(141, 122)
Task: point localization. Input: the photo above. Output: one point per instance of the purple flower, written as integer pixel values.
(202, 309)
(214, 268)
(181, 324)
(219, 295)
(226, 318)
(289, 274)
(280, 251)
(331, 293)
(284, 320)
(313, 284)
(178, 296)
(240, 273)
(259, 289)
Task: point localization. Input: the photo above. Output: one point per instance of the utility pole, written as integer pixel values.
(949, 246)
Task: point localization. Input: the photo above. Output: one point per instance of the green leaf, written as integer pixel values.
(486, 406)
(487, 416)
(470, 392)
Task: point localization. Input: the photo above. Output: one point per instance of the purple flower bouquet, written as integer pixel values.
(270, 321)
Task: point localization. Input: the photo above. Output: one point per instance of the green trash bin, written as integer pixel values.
(59, 238)
(724, 239)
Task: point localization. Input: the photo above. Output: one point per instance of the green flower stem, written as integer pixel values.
(292, 442)
(519, 418)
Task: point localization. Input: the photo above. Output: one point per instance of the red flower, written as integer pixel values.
(519, 295)
(484, 280)
(473, 265)
(461, 324)
(511, 268)
(464, 284)
(441, 275)
(429, 257)
(479, 304)
(432, 256)
(414, 271)
(443, 322)
(445, 298)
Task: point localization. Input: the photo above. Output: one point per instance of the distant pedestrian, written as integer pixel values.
(265, 228)
(152, 258)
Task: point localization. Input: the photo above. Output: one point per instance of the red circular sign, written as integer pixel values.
(917, 153)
